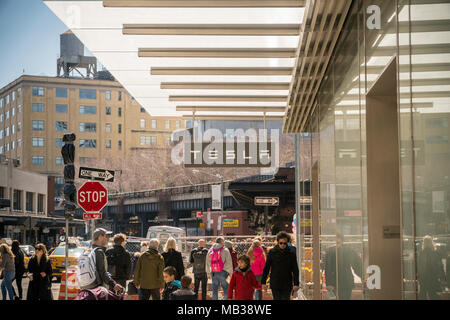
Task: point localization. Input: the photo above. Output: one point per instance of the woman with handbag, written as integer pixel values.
(8, 271)
(40, 274)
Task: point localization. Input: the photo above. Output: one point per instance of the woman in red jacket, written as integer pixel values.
(243, 281)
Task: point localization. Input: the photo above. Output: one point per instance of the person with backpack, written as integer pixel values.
(173, 258)
(119, 260)
(19, 262)
(281, 265)
(233, 253)
(92, 265)
(148, 276)
(243, 281)
(220, 266)
(198, 260)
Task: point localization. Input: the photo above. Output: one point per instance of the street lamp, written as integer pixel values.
(217, 175)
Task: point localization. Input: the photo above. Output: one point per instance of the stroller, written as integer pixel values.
(99, 293)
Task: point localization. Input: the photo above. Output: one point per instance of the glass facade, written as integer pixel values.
(415, 38)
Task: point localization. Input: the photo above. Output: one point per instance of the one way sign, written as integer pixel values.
(96, 174)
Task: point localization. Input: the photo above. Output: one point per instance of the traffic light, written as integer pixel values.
(70, 191)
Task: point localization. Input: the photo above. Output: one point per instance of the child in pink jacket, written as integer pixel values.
(257, 262)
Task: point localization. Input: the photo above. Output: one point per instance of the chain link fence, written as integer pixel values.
(185, 245)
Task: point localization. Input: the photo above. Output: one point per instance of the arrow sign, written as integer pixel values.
(96, 174)
(267, 201)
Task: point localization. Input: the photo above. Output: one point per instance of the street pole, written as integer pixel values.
(222, 186)
(67, 257)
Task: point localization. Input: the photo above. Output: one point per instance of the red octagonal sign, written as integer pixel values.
(92, 196)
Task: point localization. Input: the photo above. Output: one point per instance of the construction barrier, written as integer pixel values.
(72, 285)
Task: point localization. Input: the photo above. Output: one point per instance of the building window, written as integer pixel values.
(6, 115)
(120, 144)
(13, 112)
(88, 94)
(119, 128)
(148, 140)
(38, 125)
(7, 147)
(37, 160)
(88, 143)
(1, 103)
(19, 108)
(108, 128)
(38, 142)
(13, 95)
(120, 96)
(61, 92)
(19, 92)
(61, 126)
(1, 117)
(59, 142)
(38, 91)
(153, 124)
(61, 108)
(40, 204)
(19, 143)
(1, 149)
(17, 200)
(13, 145)
(59, 161)
(7, 99)
(108, 111)
(88, 110)
(59, 181)
(437, 139)
(86, 160)
(13, 129)
(167, 124)
(108, 95)
(19, 126)
(188, 123)
(119, 112)
(7, 131)
(108, 144)
(29, 201)
(142, 123)
(167, 141)
(1, 134)
(88, 127)
(38, 107)
(436, 123)
(142, 110)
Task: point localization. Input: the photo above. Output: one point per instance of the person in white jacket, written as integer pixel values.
(219, 266)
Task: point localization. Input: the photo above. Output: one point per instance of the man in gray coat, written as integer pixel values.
(219, 266)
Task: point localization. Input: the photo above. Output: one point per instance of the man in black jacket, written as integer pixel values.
(281, 265)
(198, 260)
(100, 240)
(339, 277)
(119, 260)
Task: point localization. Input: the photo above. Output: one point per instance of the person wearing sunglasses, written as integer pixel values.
(282, 268)
(40, 275)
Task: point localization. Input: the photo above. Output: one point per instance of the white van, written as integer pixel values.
(162, 233)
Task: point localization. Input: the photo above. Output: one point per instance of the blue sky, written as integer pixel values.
(29, 39)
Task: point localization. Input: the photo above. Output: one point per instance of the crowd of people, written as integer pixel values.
(160, 274)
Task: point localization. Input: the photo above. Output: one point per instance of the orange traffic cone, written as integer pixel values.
(72, 285)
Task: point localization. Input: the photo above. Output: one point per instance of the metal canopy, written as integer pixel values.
(227, 59)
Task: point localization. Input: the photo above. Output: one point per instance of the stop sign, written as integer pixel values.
(92, 196)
